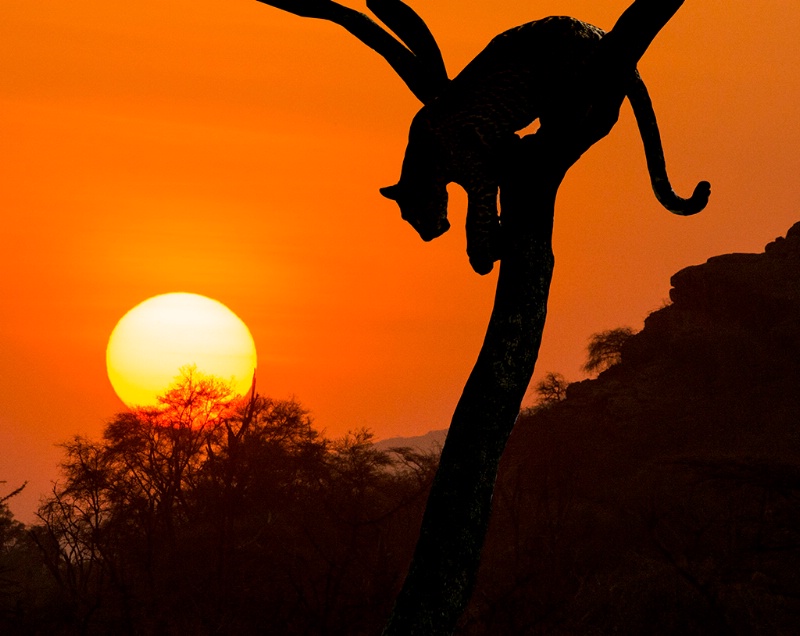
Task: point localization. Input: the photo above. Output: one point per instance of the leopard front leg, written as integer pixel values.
(479, 168)
(483, 227)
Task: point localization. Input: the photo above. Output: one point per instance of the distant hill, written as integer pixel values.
(663, 497)
(431, 441)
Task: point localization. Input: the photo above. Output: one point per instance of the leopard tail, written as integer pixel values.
(654, 152)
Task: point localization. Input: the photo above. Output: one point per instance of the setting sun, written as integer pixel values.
(155, 339)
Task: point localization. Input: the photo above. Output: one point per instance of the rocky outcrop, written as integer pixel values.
(663, 496)
(731, 336)
(753, 290)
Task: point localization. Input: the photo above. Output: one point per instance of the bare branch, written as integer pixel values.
(13, 493)
(412, 70)
(635, 30)
(415, 34)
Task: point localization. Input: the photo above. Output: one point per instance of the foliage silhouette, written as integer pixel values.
(605, 349)
(551, 389)
(183, 518)
(465, 133)
(14, 561)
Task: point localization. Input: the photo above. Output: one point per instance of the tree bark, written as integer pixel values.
(447, 556)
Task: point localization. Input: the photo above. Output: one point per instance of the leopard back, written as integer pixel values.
(523, 74)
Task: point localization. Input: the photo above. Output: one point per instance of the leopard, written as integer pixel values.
(535, 71)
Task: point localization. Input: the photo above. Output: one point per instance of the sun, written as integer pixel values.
(155, 339)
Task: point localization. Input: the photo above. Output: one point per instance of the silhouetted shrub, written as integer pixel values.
(605, 349)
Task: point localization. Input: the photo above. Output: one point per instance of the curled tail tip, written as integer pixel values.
(699, 199)
(702, 189)
(694, 204)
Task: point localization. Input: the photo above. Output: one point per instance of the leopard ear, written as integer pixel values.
(391, 192)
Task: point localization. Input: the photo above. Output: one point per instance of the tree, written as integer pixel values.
(528, 172)
(605, 349)
(552, 388)
(186, 516)
(10, 528)
(13, 543)
(113, 522)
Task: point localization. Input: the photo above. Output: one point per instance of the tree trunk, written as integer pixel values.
(447, 556)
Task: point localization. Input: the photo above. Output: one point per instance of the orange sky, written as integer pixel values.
(228, 149)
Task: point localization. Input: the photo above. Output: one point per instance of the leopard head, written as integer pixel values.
(425, 208)
(421, 192)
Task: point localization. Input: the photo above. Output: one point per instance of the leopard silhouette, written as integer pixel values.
(538, 70)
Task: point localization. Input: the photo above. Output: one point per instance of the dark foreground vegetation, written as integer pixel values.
(662, 497)
(214, 515)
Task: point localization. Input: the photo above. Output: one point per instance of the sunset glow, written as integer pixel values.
(237, 151)
(155, 339)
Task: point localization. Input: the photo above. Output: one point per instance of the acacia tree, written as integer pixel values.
(528, 172)
(551, 389)
(215, 513)
(605, 348)
(12, 552)
(151, 506)
(122, 498)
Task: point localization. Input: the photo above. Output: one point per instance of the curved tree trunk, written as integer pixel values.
(447, 556)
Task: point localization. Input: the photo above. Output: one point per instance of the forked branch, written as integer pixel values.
(415, 34)
(420, 65)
